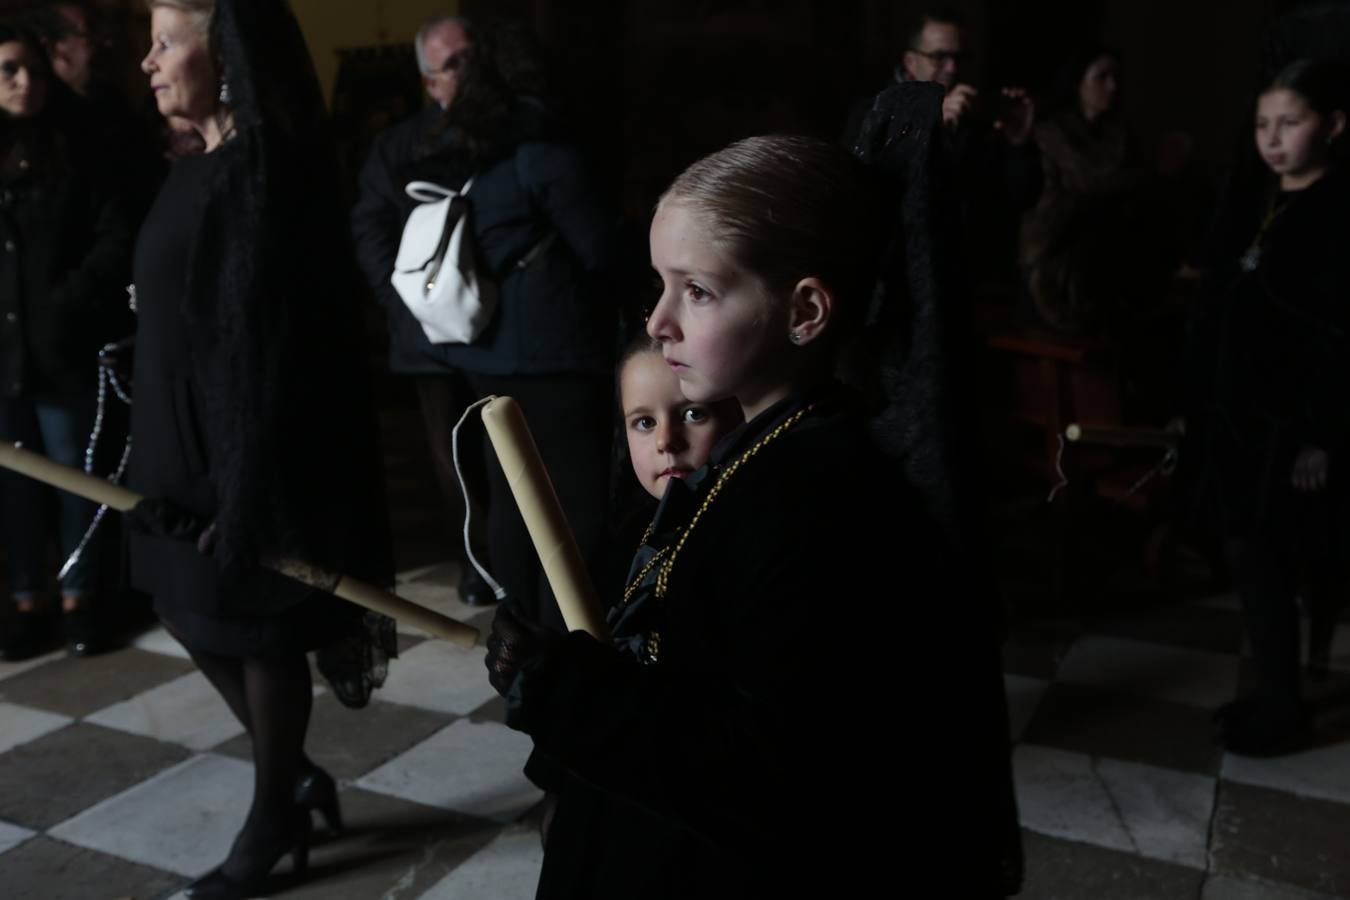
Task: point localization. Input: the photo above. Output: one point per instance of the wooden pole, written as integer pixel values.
(101, 491)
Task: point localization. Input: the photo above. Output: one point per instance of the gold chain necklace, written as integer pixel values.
(663, 574)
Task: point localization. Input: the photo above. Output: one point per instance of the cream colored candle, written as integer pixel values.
(543, 515)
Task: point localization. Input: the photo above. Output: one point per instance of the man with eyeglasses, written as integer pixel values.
(937, 52)
(998, 169)
(442, 46)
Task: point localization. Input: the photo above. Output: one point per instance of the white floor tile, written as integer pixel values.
(1159, 672)
(506, 869)
(1024, 695)
(185, 711)
(1152, 812)
(1226, 887)
(418, 572)
(10, 669)
(12, 836)
(1323, 772)
(19, 725)
(182, 820)
(440, 676)
(157, 640)
(469, 767)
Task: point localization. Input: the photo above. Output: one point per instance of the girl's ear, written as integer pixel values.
(1337, 125)
(809, 311)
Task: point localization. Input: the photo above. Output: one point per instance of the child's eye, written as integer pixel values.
(696, 291)
(643, 423)
(695, 415)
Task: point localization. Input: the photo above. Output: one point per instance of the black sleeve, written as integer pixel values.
(555, 177)
(377, 220)
(90, 290)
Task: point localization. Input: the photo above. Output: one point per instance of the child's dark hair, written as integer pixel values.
(787, 207)
(1320, 84)
(640, 342)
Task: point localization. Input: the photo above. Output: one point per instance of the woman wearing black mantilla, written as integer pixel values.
(252, 425)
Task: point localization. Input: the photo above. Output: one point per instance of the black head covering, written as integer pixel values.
(276, 324)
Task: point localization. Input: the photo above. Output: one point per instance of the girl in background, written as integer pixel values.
(1273, 359)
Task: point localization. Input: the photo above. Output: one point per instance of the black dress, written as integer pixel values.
(172, 454)
(758, 729)
(1273, 364)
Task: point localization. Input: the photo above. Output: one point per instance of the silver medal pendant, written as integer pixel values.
(1251, 259)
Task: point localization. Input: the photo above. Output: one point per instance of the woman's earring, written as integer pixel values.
(225, 96)
(795, 337)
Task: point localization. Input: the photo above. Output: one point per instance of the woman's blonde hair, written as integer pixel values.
(198, 12)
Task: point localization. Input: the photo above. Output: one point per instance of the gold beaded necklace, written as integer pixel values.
(670, 552)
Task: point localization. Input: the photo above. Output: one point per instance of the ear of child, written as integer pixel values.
(810, 309)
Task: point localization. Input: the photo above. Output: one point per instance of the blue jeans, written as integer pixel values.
(59, 429)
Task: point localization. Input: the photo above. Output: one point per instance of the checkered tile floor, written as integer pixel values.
(1123, 792)
(124, 776)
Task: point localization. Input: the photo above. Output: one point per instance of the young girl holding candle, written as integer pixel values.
(774, 695)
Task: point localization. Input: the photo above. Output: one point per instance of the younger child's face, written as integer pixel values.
(668, 435)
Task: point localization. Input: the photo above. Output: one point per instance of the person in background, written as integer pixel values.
(253, 425)
(377, 219)
(542, 233)
(996, 167)
(1271, 364)
(66, 229)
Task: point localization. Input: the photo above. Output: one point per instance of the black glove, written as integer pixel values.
(514, 642)
(117, 359)
(160, 518)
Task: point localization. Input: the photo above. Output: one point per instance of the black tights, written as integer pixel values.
(271, 698)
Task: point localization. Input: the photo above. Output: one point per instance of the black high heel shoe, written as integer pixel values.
(316, 790)
(219, 885)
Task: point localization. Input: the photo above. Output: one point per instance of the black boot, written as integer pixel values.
(26, 635)
(1259, 726)
(473, 590)
(81, 631)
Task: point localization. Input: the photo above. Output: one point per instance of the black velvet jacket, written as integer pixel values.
(698, 764)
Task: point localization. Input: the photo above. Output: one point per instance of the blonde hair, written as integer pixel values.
(787, 207)
(198, 12)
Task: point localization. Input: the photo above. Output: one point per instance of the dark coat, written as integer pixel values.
(66, 231)
(1272, 362)
(557, 314)
(804, 681)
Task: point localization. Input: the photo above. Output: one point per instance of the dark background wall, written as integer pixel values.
(648, 85)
